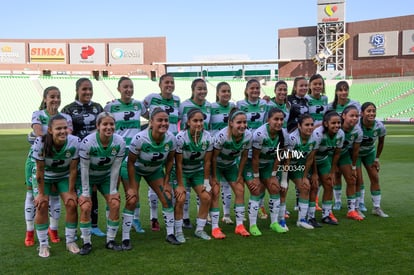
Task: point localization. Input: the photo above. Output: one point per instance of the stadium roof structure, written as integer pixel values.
(222, 63)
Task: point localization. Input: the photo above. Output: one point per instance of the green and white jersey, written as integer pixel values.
(255, 112)
(230, 150)
(193, 153)
(317, 107)
(188, 104)
(370, 137)
(340, 108)
(269, 147)
(272, 104)
(42, 117)
(127, 117)
(300, 149)
(353, 136)
(101, 158)
(171, 106)
(150, 155)
(219, 117)
(57, 166)
(327, 144)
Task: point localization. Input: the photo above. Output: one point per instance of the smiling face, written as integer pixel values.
(85, 92)
(252, 91)
(52, 100)
(281, 93)
(224, 94)
(106, 127)
(159, 123)
(59, 131)
(167, 86)
(238, 125)
(199, 92)
(301, 87)
(126, 88)
(369, 114)
(333, 124)
(342, 94)
(316, 87)
(276, 121)
(306, 127)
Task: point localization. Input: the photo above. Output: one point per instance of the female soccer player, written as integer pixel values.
(127, 112)
(261, 173)
(340, 102)
(56, 155)
(171, 104)
(193, 166)
(349, 156)
(280, 100)
(373, 131)
(219, 120)
(298, 102)
(302, 147)
(330, 138)
(149, 151)
(317, 100)
(49, 107)
(197, 100)
(84, 112)
(255, 109)
(231, 146)
(101, 155)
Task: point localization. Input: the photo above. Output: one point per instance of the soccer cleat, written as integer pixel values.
(362, 207)
(360, 213)
(227, 220)
(29, 240)
(44, 251)
(180, 237)
(337, 205)
(329, 220)
(378, 212)
(155, 225)
(217, 234)
(314, 223)
(72, 248)
(202, 235)
(112, 245)
(172, 240)
(126, 244)
(284, 225)
(97, 232)
(240, 230)
(318, 208)
(137, 225)
(53, 235)
(255, 231)
(262, 213)
(353, 215)
(187, 224)
(85, 249)
(275, 226)
(332, 216)
(304, 224)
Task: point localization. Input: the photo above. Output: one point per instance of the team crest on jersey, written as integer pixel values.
(166, 147)
(113, 152)
(204, 146)
(67, 154)
(375, 134)
(136, 107)
(262, 108)
(94, 110)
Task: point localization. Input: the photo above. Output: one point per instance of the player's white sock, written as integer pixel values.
(215, 216)
(351, 203)
(226, 198)
(178, 226)
(303, 208)
(311, 210)
(54, 212)
(153, 203)
(85, 229)
(282, 210)
(200, 224)
(111, 229)
(337, 190)
(239, 210)
(70, 233)
(376, 198)
(127, 216)
(168, 214)
(253, 209)
(29, 211)
(274, 207)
